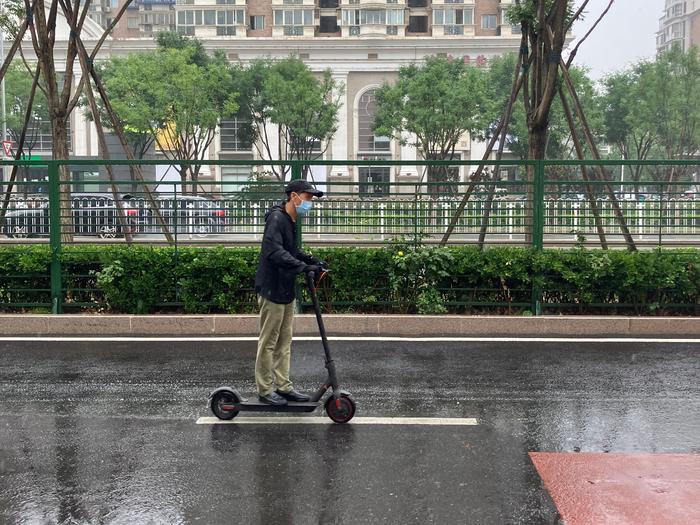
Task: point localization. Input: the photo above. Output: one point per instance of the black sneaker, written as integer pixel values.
(293, 395)
(273, 399)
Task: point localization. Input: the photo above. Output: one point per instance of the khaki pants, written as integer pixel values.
(274, 346)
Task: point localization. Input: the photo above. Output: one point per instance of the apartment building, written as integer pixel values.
(362, 42)
(679, 25)
(342, 18)
(104, 11)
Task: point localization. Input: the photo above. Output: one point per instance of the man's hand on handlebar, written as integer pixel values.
(313, 268)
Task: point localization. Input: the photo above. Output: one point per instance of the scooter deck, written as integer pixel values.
(291, 406)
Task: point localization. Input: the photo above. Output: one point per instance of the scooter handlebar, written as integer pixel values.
(312, 279)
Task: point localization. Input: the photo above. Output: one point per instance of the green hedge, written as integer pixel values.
(399, 279)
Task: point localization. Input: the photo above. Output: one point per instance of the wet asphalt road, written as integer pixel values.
(105, 432)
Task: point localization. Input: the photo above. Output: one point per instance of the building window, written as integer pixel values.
(225, 21)
(132, 22)
(394, 17)
(489, 22)
(225, 30)
(328, 4)
(231, 135)
(235, 178)
(417, 24)
(292, 2)
(455, 17)
(373, 17)
(297, 17)
(225, 2)
(351, 17)
(44, 138)
(328, 24)
(368, 142)
(374, 180)
(257, 22)
(417, 3)
(678, 9)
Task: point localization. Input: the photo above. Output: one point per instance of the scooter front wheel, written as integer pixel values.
(340, 410)
(221, 405)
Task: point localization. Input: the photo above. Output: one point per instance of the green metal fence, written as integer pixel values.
(539, 204)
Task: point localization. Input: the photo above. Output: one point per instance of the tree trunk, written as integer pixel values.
(537, 149)
(59, 136)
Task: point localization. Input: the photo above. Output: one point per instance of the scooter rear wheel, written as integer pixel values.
(219, 405)
(340, 410)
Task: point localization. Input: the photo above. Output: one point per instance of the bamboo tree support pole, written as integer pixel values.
(18, 41)
(105, 152)
(501, 143)
(588, 135)
(20, 145)
(584, 172)
(89, 70)
(93, 55)
(596, 155)
(474, 179)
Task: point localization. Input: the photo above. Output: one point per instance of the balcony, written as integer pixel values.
(373, 3)
(293, 31)
(373, 30)
(454, 3)
(294, 3)
(451, 30)
(509, 30)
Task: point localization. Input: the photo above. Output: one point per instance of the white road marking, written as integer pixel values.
(370, 338)
(317, 420)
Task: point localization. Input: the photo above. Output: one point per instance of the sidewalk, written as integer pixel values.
(349, 325)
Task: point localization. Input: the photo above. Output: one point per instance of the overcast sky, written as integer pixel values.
(625, 35)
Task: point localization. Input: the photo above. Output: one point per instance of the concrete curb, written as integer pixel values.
(347, 325)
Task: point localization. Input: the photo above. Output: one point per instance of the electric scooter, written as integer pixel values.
(226, 402)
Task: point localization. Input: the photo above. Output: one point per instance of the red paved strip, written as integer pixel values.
(622, 489)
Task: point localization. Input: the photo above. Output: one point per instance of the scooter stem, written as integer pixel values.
(310, 281)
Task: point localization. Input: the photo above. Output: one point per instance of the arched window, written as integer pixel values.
(368, 141)
(372, 179)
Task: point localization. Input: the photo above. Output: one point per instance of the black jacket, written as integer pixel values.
(280, 261)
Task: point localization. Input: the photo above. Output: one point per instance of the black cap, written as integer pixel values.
(302, 186)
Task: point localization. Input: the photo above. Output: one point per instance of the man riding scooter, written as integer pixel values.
(280, 263)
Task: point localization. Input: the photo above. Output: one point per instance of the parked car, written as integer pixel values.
(93, 214)
(191, 214)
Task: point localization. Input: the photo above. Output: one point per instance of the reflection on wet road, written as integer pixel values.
(105, 432)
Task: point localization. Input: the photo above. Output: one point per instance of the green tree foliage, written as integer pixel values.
(432, 105)
(544, 25)
(559, 143)
(302, 106)
(18, 85)
(653, 109)
(173, 96)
